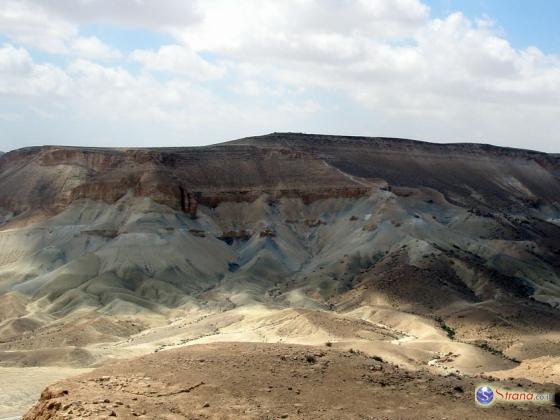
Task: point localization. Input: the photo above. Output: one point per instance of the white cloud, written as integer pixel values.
(301, 29)
(281, 65)
(256, 89)
(14, 60)
(32, 25)
(21, 76)
(395, 62)
(112, 93)
(94, 49)
(51, 25)
(154, 15)
(305, 107)
(178, 59)
(87, 101)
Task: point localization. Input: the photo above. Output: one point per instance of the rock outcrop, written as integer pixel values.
(47, 179)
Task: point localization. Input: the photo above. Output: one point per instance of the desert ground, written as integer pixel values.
(268, 381)
(441, 260)
(20, 387)
(408, 345)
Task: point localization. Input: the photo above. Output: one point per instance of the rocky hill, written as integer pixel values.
(49, 178)
(443, 256)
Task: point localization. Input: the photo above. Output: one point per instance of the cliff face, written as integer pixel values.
(50, 178)
(310, 167)
(473, 174)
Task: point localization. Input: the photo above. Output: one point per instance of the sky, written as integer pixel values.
(135, 73)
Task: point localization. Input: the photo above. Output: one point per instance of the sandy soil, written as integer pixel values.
(266, 381)
(542, 369)
(406, 340)
(20, 387)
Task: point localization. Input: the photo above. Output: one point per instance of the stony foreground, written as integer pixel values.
(266, 381)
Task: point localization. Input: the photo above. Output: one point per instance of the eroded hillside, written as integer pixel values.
(444, 257)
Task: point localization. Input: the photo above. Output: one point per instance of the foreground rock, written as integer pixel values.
(257, 380)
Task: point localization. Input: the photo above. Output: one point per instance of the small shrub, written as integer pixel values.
(310, 358)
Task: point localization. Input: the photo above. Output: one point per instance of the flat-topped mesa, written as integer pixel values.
(387, 144)
(51, 177)
(309, 167)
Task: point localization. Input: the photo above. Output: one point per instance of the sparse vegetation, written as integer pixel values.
(450, 331)
(485, 346)
(357, 352)
(310, 358)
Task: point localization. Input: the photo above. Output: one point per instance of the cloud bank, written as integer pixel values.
(228, 69)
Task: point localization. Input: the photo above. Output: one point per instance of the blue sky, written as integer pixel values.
(525, 22)
(128, 73)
